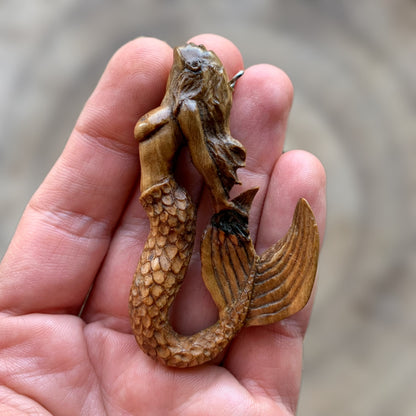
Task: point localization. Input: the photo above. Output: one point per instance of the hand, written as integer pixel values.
(84, 228)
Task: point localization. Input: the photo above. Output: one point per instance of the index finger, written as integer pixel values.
(66, 229)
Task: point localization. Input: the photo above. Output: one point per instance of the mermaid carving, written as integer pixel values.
(248, 289)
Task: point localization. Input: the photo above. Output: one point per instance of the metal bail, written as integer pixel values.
(234, 79)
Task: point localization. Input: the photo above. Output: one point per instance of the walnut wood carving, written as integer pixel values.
(248, 289)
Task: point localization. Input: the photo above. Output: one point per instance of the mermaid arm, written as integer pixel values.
(151, 122)
(159, 141)
(191, 125)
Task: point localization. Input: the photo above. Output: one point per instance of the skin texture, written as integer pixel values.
(84, 227)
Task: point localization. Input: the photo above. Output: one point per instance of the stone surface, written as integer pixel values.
(352, 65)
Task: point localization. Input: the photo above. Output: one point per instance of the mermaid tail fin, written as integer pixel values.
(279, 282)
(227, 256)
(286, 271)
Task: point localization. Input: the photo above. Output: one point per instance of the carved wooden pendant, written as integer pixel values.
(248, 289)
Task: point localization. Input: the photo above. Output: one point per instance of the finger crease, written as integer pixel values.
(112, 144)
(75, 224)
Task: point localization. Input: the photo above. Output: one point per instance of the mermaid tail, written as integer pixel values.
(160, 273)
(247, 289)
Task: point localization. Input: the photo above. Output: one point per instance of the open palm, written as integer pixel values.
(84, 230)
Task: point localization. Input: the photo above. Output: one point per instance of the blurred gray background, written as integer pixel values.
(353, 67)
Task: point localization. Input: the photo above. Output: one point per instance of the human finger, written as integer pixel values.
(66, 229)
(268, 359)
(261, 104)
